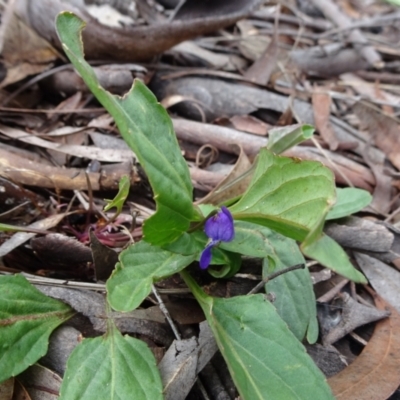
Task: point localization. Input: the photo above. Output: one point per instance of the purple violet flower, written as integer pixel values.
(219, 228)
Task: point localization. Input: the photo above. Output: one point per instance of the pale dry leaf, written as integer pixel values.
(352, 315)
(91, 152)
(234, 184)
(102, 42)
(248, 123)
(24, 52)
(21, 237)
(184, 360)
(384, 279)
(321, 102)
(225, 62)
(93, 306)
(260, 71)
(383, 130)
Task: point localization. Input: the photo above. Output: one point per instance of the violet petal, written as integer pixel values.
(205, 257)
(220, 226)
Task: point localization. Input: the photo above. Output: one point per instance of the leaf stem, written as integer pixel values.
(198, 293)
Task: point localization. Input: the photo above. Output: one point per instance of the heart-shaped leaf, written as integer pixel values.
(27, 318)
(139, 266)
(295, 299)
(294, 293)
(147, 129)
(349, 201)
(111, 367)
(327, 252)
(265, 359)
(287, 195)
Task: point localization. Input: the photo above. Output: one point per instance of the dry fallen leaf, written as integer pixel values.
(261, 70)
(234, 184)
(384, 279)
(104, 258)
(91, 152)
(41, 383)
(140, 42)
(246, 123)
(383, 130)
(375, 374)
(184, 360)
(21, 237)
(93, 306)
(343, 316)
(20, 392)
(23, 51)
(7, 389)
(321, 102)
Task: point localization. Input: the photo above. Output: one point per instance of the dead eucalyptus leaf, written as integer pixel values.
(93, 306)
(383, 130)
(62, 342)
(91, 152)
(20, 393)
(41, 383)
(61, 251)
(7, 389)
(261, 70)
(184, 360)
(234, 184)
(23, 51)
(384, 279)
(321, 102)
(104, 258)
(136, 43)
(343, 316)
(374, 375)
(21, 237)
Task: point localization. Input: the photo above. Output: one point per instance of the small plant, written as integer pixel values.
(287, 202)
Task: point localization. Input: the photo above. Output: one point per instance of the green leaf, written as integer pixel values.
(395, 2)
(265, 359)
(287, 195)
(147, 129)
(188, 243)
(250, 240)
(120, 197)
(328, 253)
(284, 138)
(139, 266)
(295, 299)
(27, 318)
(294, 293)
(349, 201)
(111, 367)
(227, 263)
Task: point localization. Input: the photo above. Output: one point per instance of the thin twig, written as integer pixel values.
(101, 287)
(332, 11)
(275, 275)
(334, 166)
(330, 294)
(166, 313)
